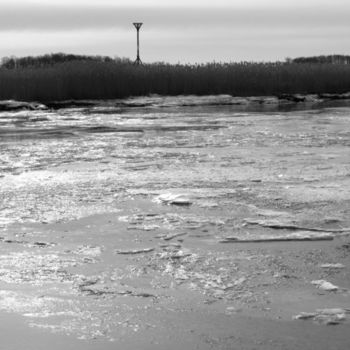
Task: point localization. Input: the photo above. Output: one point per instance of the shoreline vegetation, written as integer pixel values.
(61, 77)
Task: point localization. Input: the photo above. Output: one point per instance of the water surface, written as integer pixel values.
(79, 186)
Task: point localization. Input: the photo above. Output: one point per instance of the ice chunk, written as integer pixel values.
(175, 199)
(324, 285)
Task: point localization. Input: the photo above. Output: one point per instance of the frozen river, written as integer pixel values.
(112, 217)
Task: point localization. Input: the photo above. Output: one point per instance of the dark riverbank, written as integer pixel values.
(99, 80)
(284, 101)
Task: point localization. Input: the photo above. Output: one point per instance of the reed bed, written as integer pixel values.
(101, 79)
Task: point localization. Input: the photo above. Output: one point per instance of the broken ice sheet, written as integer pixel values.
(135, 251)
(169, 237)
(54, 313)
(333, 266)
(215, 276)
(324, 285)
(175, 199)
(74, 181)
(170, 221)
(36, 269)
(295, 236)
(271, 213)
(88, 250)
(35, 306)
(289, 224)
(332, 316)
(203, 197)
(58, 314)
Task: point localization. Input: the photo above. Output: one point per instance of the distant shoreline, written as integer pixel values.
(111, 80)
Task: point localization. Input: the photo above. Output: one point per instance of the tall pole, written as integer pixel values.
(138, 26)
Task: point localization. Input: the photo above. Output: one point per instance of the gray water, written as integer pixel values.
(79, 185)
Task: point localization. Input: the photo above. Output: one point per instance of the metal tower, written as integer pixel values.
(138, 59)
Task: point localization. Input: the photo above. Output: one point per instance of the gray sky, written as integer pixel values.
(177, 30)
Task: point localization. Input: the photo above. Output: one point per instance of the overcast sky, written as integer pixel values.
(177, 30)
